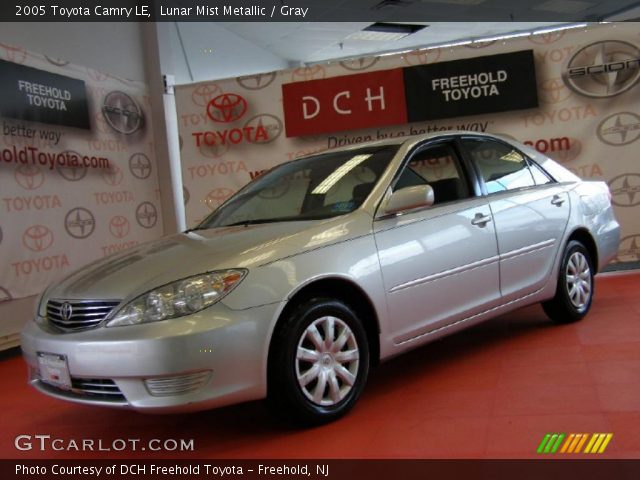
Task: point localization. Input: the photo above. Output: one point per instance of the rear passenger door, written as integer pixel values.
(529, 209)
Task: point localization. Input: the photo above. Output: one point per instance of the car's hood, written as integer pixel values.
(156, 263)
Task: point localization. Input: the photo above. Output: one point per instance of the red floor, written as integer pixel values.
(490, 392)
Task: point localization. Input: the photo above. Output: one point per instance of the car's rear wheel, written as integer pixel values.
(319, 362)
(574, 292)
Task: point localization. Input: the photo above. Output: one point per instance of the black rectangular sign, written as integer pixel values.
(37, 96)
(473, 86)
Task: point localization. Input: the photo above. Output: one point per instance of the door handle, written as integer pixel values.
(480, 220)
(557, 200)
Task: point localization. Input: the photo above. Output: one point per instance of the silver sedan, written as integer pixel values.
(321, 268)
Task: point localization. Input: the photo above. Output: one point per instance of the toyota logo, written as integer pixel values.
(256, 82)
(66, 310)
(79, 222)
(603, 69)
(14, 54)
(146, 215)
(140, 165)
(122, 113)
(186, 195)
(217, 197)
(29, 177)
(37, 238)
(203, 94)
(619, 129)
(420, 57)
(359, 64)
(113, 176)
(119, 226)
(213, 151)
(553, 90)
(625, 190)
(226, 108)
(58, 62)
(271, 123)
(546, 38)
(313, 72)
(72, 174)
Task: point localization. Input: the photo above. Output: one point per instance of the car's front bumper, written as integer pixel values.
(226, 349)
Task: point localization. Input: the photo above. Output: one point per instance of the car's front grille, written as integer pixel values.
(74, 315)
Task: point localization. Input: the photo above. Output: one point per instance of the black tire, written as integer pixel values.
(286, 393)
(572, 304)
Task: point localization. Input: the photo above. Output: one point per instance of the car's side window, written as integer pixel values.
(500, 166)
(437, 166)
(539, 175)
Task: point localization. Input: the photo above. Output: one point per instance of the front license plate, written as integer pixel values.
(54, 370)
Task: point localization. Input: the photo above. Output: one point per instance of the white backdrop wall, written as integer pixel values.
(597, 138)
(54, 220)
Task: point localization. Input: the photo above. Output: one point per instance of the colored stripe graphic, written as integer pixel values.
(573, 443)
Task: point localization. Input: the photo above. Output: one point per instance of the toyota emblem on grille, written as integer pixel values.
(66, 310)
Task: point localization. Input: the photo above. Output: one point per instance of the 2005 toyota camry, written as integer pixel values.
(321, 268)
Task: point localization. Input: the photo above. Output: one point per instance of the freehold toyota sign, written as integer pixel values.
(489, 84)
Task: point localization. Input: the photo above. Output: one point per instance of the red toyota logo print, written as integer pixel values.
(226, 108)
(37, 238)
(29, 177)
(119, 226)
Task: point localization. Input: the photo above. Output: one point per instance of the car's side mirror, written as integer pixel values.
(408, 198)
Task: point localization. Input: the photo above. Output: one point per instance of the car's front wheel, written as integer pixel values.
(575, 286)
(319, 362)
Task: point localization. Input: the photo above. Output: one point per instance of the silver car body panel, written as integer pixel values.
(426, 273)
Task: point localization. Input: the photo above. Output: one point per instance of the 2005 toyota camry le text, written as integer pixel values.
(321, 268)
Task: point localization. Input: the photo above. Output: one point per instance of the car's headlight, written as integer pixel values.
(179, 298)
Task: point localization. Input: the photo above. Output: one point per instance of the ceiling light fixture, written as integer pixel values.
(385, 32)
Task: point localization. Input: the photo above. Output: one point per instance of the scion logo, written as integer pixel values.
(58, 62)
(619, 129)
(146, 215)
(603, 69)
(256, 82)
(270, 123)
(421, 57)
(629, 250)
(37, 238)
(360, 63)
(5, 296)
(29, 177)
(122, 112)
(119, 226)
(14, 54)
(203, 94)
(72, 174)
(553, 90)
(217, 197)
(140, 166)
(546, 38)
(79, 223)
(186, 195)
(113, 175)
(226, 108)
(303, 74)
(625, 190)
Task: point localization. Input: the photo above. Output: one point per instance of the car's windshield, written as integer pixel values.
(321, 186)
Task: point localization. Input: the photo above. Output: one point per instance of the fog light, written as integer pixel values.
(177, 385)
